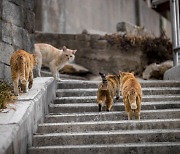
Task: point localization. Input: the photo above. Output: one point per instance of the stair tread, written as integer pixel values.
(107, 113)
(115, 104)
(113, 145)
(112, 122)
(111, 132)
(94, 97)
(95, 89)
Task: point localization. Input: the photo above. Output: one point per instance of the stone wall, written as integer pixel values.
(97, 54)
(16, 31)
(73, 16)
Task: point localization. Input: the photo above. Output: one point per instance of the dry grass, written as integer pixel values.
(156, 49)
(6, 94)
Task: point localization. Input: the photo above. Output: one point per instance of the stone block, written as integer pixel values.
(99, 44)
(28, 4)
(0, 29)
(29, 20)
(18, 2)
(17, 33)
(67, 37)
(6, 52)
(7, 32)
(1, 8)
(95, 37)
(1, 70)
(83, 37)
(12, 13)
(7, 73)
(28, 41)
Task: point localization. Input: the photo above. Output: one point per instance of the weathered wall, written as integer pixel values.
(16, 31)
(72, 16)
(95, 53)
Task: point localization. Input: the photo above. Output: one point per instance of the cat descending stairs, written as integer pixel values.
(74, 124)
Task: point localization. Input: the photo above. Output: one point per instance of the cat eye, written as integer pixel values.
(66, 55)
(70, 56)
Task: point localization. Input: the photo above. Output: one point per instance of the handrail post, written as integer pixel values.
(174, 7)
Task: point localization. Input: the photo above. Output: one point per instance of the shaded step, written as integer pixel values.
(107, 137)
(93, 91)
(108, 125)
(93, 107)
(62, 76)
(72, 84)
(93, 99)
(111, 116)
(126, 148)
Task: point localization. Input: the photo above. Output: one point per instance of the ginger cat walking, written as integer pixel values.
(22, 64)
(131, 93)
(108, 88)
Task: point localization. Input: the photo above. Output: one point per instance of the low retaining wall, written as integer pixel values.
(17, 126)
(173, 73)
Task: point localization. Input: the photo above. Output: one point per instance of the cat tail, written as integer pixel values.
(104, 80)
(22, 68)
(132, 98)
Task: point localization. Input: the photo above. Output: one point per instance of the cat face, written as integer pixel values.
(69, 54)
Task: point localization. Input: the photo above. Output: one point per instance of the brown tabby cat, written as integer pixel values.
(53, 58)
(131, 93)
(108, 88)
(22, 64)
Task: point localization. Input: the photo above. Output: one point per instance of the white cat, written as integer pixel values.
(53, 58)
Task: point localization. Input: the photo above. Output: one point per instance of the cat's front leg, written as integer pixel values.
(54, 70)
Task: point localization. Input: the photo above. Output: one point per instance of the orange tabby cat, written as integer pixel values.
(22, 64)
(108, 88)
(131, 93)
(53, 58)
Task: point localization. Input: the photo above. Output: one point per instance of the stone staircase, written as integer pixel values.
(74, 125)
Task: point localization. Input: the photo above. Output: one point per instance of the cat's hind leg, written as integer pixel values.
(109, 102)
(39, 65)
(15, 85)
(30, 80)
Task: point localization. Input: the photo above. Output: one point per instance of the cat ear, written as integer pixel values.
(64, 48)
(121, 73)
(74, 51)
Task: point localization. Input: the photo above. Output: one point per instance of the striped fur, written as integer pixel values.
(108, 88)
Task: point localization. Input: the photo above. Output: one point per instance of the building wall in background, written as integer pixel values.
(72, 17)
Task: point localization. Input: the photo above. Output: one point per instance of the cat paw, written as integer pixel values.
(59, 80)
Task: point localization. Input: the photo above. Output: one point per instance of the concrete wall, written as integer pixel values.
(16, 31)
(18, 126)
(73, 16)
(69, 16)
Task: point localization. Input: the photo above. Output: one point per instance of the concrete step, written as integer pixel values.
(93, 99)
(107, 137)
(93, 107)
(110, 116)
(124, 148)
(74, 84)
(108, 125)
(93, 91)
(62, 76)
